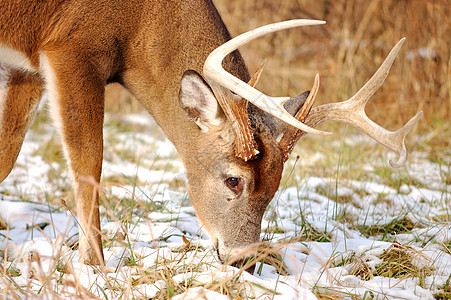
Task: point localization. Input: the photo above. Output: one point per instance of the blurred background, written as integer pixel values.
(346, 52)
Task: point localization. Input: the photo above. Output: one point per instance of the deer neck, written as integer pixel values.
(160, 54)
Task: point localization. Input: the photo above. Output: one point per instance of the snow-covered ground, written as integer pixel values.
(157, 249)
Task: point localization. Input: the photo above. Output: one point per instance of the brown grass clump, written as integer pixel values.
(3, 225)
(398, 225)
(398, 261)
(445, 291)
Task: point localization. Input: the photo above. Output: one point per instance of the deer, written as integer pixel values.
(178, 59)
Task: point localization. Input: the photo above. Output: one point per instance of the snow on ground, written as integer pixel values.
(168, 241)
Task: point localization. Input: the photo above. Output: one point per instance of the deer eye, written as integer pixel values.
(235, 184)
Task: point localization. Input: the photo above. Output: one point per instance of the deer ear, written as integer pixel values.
(198, 101)
(292, 106)
(275, 125)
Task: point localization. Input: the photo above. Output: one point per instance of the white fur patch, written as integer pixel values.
(15, 59)
(4, 76)
(53, 99)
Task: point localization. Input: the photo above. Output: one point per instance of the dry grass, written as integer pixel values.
(397, 261)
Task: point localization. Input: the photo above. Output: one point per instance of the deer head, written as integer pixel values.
(245, 163)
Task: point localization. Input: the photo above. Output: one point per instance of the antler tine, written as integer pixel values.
(352, 112)
(256, 77)
(292, 134)
(215, 74)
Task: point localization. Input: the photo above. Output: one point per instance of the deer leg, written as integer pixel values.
(20, 93)
(76, 99)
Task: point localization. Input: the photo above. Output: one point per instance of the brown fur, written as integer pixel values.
(25, 91)
(146, 46)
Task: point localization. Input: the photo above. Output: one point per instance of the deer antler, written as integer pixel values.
(256, 76)
(218, 78)
(352, 112)
(292, 134)
(236, 111)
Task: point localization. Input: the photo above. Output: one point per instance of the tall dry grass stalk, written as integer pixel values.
(348, 49)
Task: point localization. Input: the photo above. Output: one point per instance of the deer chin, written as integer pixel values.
(235, 254)
(239, 257)
(240, 247)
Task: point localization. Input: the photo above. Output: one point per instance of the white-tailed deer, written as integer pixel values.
(69, 50)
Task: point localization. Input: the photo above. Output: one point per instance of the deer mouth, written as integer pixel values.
(239, 263)
(243, 261)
